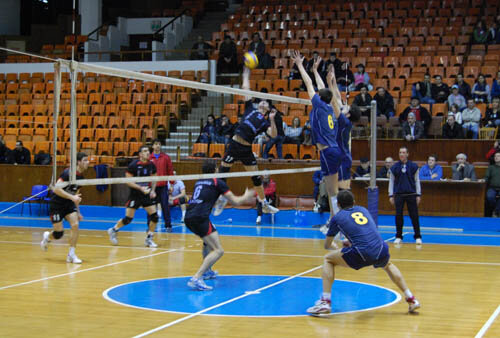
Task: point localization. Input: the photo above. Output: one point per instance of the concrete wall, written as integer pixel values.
(10, 17)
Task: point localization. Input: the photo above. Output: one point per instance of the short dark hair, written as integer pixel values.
(156, 140)
(404, 147)
(325, 95)
(345, 198)
(433, 156)
(364, 160)
(354, 113)
(208, 167)
(80, 156)
(142, 147)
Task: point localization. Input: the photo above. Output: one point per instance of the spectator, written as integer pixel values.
(492, 179)
(423, 90)
(492, 152)
(456, 98)
(333, 61)
(258, 47)
(270, 193)
(492, 118)
(321, 67)
(451, 129)
(463, 87)
(431, 171)
(385, 103)
(278, 140)
(456, 113)
(224, 131)
(440, 90)
(480, 33)
(494, 34)
(361, 79)
(385, 170)
(306, 134)
(227, 62)
(363, 101)
(481, 90)
(20, 154)
(495, 88)
(471, 117)
(200, 49)
(208, 132)
(421, 114)
(293, 132)
(4, 152)
(362, 170)
(177, 195)
(345, 77)
(463, 171)
(317, 179)
(412, 129)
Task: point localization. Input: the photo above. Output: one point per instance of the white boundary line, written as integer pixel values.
(487, 325)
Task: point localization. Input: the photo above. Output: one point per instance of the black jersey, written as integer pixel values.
(206, 192)
(70, 189)
(141, 169)
(253, 123)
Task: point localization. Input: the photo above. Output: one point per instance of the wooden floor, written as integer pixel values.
(42, 296)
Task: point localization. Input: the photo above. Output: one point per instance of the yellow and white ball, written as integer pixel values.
(250, 59)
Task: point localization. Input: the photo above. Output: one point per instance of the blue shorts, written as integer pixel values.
(345, 169)
(330, 160)
(357, 260)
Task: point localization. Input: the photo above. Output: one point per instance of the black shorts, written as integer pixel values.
(58, 211)
(239, 152)
(200, 226)
(135, 201)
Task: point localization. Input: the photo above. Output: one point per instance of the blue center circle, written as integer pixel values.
(249, 296)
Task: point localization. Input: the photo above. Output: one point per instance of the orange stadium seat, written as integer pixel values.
(130, 122)
(117, 135)
(200, 150)
(102, 135)
(216, 150)
(104, 148)
(133, 135)
(142, 110)
(120, 148)
(86, 135)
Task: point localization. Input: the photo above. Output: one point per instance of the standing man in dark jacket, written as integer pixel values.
(404, 186)
(227, 62)
(20, 154)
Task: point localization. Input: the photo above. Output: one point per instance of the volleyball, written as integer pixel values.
(250, 60)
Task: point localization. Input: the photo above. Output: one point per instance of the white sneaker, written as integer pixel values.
(258, 221)
(418, 241)
(73, 259)
(268, 208)
(219, 206)
(320, 307)
(324, 229)
(413, 304)
(44, 244)
(112, 236)
(316, 207)
(149, 243)
(397, 241)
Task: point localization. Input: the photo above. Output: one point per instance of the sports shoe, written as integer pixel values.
(258, 221)
(397, 241)
(324, 229)
(198, 284)
(44, 244)
(268, 208)
(413, 304)
(149, 243)
(219, 206)
(321, 306)
(112, 236)
(210, 274)
(169, 229)
(316, 207)
(73, 259)
(418, 241)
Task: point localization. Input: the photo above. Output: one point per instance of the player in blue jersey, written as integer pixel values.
(255, 121)
(205, 194)
(363, 247)
(324, 130)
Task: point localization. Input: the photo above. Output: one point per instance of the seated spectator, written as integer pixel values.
(421, 114)
(480, 33)
(456, 98)
(200, 49)
(492, 152)
(494, 33)
(208, 132)
(423, 90)
(463, 171)
(278, 140)
(345, 77)
(363, 101)
(492, 179)
(306, 134)
(492, 118)
(293, 133)
(463, 87)
(334, 62)
(361, 79)
(224, 131)
(177, 195)
(321, 68)
(451, 129)
(385, 171)
(471, 117)
(228, 55)
(495, 87)
(385, 103)
(20, 154)
(362, 170)
(481, 90)
(5, 156)
(270, 193)
(456, 113)
(317, 179)
(431, 171)
(237, 124)
(257, 46)
(412, 129)
(440, 90)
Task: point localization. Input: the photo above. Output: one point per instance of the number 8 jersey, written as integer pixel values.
(205, 194)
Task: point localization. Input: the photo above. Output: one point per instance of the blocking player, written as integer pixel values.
(205, 194)
(141, 195)
(363, 247)
(65, 204)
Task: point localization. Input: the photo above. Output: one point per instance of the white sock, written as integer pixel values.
(336, 209)
(150, 234)
(408, 293)
(71, 250)
(326, 296)
(183, 213)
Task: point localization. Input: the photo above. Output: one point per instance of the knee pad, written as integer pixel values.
(126, 220)
(154, 217)
(257, 181)
(57, 234)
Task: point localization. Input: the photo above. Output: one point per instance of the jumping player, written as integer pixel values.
(363, 247)
(240, 146)
(65, 204)
(141, 195)
(206, 192)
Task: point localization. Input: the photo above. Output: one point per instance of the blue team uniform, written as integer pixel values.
(324, 130)
(343, 140)
(367, 247)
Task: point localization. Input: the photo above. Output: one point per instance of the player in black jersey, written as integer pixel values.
(240, 146)
(205, 194)
(141, 195)
(65, 205)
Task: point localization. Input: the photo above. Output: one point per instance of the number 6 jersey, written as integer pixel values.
(205, 194)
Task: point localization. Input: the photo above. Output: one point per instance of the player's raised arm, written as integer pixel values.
(245, 83)
(336, 98)
(272, 131)
(317, 77)
(299, 59)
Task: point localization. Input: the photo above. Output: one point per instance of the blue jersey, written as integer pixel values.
(344, 135)
(358, 227)
(253, 123)
(324, 127)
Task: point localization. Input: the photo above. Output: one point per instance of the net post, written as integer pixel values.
(373, 189)
(57, 99)
(73, 124)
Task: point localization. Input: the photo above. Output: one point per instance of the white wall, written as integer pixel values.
(10, 17)
(91, 15)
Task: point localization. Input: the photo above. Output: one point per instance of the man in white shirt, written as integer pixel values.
(177, 195)
(412, 129)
